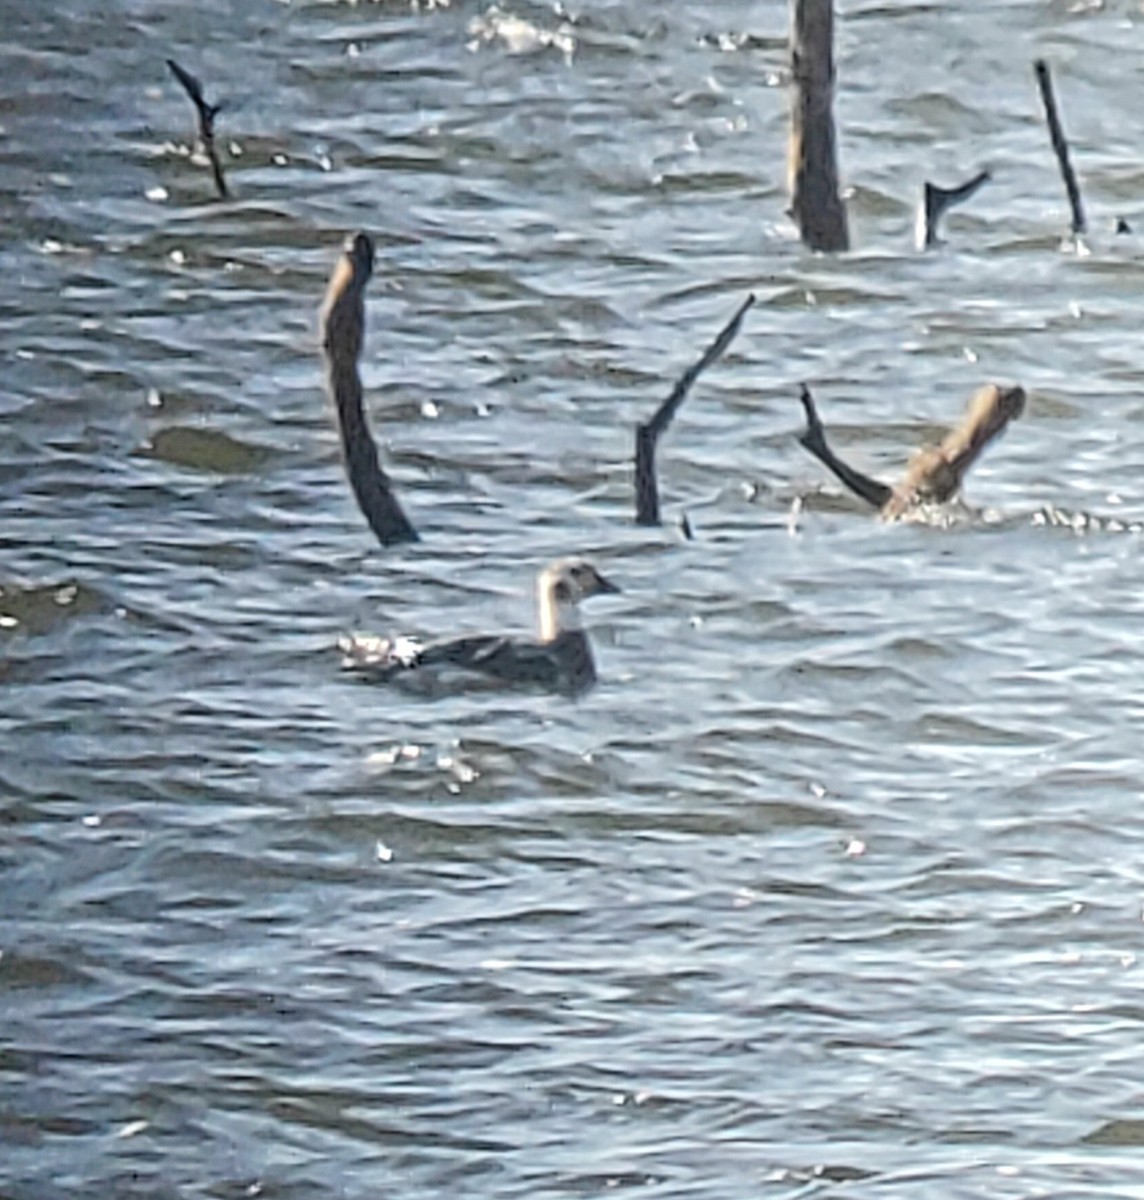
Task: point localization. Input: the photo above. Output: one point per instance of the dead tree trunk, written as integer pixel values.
(816, 205)
(342, 320)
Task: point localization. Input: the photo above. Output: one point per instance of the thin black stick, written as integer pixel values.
(1060, 145)
(647, 492)
(936, 201)
(343, 328)
(207, 113)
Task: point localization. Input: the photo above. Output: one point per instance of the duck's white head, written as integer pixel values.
(560, 588)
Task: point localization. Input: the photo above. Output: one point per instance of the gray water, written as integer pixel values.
(834, 885)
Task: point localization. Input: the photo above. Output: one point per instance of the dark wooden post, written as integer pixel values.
(816, 205)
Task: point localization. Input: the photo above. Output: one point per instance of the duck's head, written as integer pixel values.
(561, 586)
(576, 579)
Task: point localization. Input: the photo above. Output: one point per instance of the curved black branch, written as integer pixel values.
(1060, 145)
(936, 201)
(648, 434)
(343, 325)
(207, 113)
(814, 439)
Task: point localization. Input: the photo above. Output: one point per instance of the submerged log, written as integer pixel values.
(342, 321)
(816, 205)
(647, 435)
(935, 474)
(206, 115)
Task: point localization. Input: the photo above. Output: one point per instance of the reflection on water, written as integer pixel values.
(833, 883)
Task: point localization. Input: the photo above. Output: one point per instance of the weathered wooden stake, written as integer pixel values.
(647, 435)
(816, 206)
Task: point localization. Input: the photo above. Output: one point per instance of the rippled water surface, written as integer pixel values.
(834, 885)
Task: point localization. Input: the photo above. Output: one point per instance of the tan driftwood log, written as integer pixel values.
(816, 205)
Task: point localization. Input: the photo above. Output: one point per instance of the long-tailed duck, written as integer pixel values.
(559, 659)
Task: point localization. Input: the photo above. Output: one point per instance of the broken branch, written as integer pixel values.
(936, 201)
(813, 438)
(206, 113)
(647, 435)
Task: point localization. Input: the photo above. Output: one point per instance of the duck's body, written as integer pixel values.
(559, 659)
